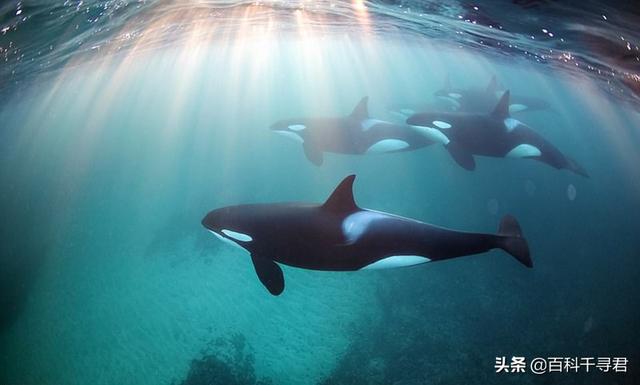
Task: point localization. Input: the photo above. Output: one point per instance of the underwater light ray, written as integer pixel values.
(237, 54)
(188, 66)
(196, 35)
(110, 75)
(314, 64)
(622, 141)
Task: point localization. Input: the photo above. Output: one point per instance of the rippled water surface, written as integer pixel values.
(592, 37)
(122, 123)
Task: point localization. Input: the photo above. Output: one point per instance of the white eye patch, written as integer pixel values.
(297, 127)
(441, 124)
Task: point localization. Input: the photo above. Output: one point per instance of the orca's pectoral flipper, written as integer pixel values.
(463, 157)
(312, 153)
(270, 274)
(572, 165)
(512, 240)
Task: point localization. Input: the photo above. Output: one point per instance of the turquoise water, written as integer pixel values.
(109, 164)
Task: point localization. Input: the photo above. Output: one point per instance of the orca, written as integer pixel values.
(495, 134)
(338, 235)
(403, 110)
(478, 100)
(356, 133)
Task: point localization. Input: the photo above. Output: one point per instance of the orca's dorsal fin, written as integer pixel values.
(502, 108)
(492, 87)
(313, 153)
(341, 200)
(361, 112)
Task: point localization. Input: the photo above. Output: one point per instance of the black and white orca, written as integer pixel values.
(340, 236)
(495, 134)
(483, 100)
(355, 134)
(474, 100)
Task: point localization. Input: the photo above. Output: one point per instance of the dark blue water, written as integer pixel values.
(117, 140)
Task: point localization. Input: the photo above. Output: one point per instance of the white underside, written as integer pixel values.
(387, 145)
(237, 236)
(396, 261)
(524, 151)
(290, 135)
(226, 240)
(432, 134)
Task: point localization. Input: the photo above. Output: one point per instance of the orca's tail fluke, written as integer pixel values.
(512, 240)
